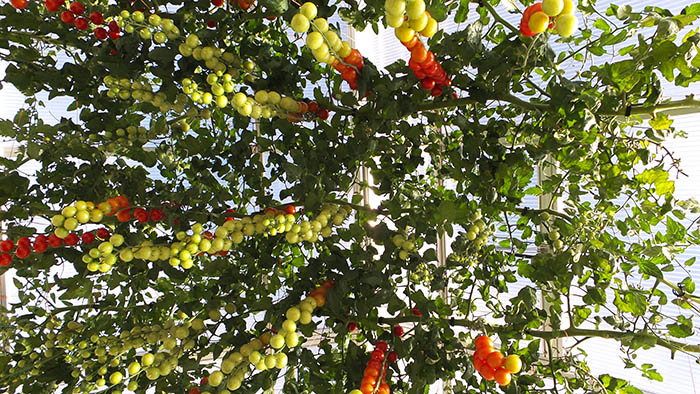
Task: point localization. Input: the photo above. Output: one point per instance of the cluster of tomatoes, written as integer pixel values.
(376, 367)
(74, 15)
(491, 363)
(244, 4)
(24, 246)
(320, 292)
(549, 14)
(347, 67)
(311, 108)
(431, 74)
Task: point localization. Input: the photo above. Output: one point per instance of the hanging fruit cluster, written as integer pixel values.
(156, 28)
(377, 367)
(408, 19)
(326, 45)
(491, 363)
(265, 352)
(74, 15)
(419, 20)
(187, 246)
(537, 18)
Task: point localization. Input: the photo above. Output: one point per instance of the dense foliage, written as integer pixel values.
(182, 214)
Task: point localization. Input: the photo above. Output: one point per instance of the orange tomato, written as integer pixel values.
(122, 201)
(355, 58)
(495, 359)
(368, 380)
(419, 54)
(502, 377)
(320, 300)
(367, 389)
(373, 372)
(411, 43)
(124, 215)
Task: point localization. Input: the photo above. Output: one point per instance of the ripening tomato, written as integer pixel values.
(373, 372)
(349, 75)
(368, 380)
(19, 4)
(419, 54)
(124, 215)
(502, 377)
(367, 389)
(495, 359)
(513, 364)
(374, 363)
(487, 372)
(483, 352)
(410, 44)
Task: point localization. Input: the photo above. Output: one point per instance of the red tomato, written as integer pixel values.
(88, 237)
(375, 363)
(102, 233)
(377, 355)
(97, 18)
(67, 17)
(349, 75)
(122, 201)
(54, 241)
(71, 239)
(398, 331)
(77, 8)
(100, 33)
(436, 92)
(5, 260)
(22, 252)
(367, 389)
(427, 84)
(19, 4)
(81, 23)
(52, 5)
(323, 114)
(392, 356)
(382, 345)
(429, 60)
(410, 44)
(7, 245)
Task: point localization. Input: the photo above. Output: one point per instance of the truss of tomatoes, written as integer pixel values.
(426, 68)
(349, 68)
(74, 15)
(525, 20)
